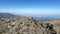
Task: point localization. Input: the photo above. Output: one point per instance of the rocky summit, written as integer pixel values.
(25, 25)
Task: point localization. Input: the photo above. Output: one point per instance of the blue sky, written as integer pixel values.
(31, 7)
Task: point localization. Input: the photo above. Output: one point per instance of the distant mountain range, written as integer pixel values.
(41, 17)
(47, 17)
(6, 15)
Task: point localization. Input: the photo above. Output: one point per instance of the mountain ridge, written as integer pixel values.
(6, 15)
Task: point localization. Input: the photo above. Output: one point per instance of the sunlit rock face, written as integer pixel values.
(26, 25)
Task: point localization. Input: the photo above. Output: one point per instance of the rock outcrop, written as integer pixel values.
(26, 25)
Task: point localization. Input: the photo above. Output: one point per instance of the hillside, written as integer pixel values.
(6, 15)
(25, 25)
(56, 23)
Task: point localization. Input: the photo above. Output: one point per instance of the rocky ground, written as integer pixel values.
(25, 25)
